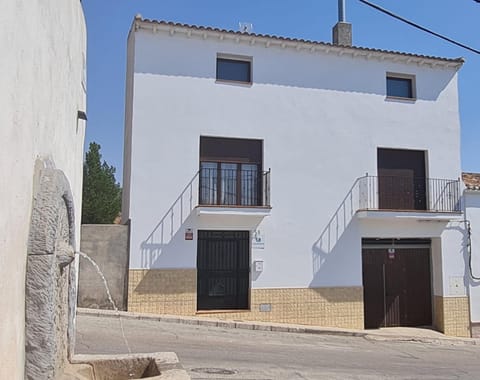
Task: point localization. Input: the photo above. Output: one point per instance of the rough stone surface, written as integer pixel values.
(107, 245)
(342, 34)
(155, 365)
(50, 284)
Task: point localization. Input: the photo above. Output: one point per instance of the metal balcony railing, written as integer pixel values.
(408, 193)
(233, 187)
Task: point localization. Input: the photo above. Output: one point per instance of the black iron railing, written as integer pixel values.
(234, 187)
(409, 193)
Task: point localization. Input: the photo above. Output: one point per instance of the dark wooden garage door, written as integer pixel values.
(223, 270)
(397, 287)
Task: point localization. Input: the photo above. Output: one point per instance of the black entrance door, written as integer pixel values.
(396, 285)
(223, 270)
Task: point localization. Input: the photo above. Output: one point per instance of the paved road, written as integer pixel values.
(234, 354)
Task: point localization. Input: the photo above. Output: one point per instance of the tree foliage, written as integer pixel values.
(102, 195)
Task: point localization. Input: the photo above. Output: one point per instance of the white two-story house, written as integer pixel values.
(276, 179)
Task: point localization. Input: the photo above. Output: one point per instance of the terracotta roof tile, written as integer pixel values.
(471, 180)
(287, 39)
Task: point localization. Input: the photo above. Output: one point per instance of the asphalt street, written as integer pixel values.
(236, 354)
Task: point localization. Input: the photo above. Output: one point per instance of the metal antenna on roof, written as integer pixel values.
(245, 27)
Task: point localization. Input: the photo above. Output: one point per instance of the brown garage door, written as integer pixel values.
(397, 287)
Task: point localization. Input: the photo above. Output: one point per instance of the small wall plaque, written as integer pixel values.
(258, 239)
(265, 307)
(188, 234)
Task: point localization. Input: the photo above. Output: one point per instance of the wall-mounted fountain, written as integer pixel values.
(50, 303)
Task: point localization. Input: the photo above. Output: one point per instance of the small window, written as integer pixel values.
(235, 70)
(400, 87)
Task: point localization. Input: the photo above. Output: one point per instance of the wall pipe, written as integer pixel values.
(341, 11)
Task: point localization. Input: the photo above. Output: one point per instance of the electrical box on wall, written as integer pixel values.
(456, 286)
(258, 265)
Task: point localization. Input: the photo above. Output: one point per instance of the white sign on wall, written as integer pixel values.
(258, 239)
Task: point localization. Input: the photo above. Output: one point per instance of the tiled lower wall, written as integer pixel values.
(452, 315)
(173, 291)
(165, 291)
(332, 307)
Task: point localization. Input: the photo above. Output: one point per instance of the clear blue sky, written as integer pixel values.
(108, 22)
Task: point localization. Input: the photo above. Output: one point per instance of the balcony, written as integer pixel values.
(223, 198)
(234, 190)
(389, 198)
(407, 197)
(409, 194)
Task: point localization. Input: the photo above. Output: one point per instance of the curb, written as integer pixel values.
(274, 327)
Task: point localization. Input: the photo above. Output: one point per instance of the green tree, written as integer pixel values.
(102, 195)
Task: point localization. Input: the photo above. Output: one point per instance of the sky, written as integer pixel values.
(108, 23)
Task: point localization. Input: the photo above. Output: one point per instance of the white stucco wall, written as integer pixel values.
(472, 213)
(42, 70)
(322, 117)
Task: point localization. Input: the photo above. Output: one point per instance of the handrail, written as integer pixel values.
(349, 194)
(179, 198)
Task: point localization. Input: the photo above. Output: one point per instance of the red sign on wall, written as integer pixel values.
(188, 234)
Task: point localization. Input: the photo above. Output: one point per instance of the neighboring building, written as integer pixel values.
(314, 239)
(43, 88)
(472, 258)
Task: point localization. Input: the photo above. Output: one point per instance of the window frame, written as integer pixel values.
(407, 77)
(243, 153)
(234, 58)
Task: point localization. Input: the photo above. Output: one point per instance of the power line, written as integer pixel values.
(387, 12)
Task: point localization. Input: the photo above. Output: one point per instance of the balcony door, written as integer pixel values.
(401, 179)
(230, 171)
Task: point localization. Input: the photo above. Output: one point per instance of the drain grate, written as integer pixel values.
(214, 371)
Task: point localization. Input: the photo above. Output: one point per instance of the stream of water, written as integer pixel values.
(110, 299)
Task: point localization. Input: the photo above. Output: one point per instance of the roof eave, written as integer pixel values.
(298, 44)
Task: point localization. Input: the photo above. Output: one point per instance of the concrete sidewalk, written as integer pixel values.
(405, 334)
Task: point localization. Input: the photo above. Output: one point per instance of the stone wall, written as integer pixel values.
(107, 245)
